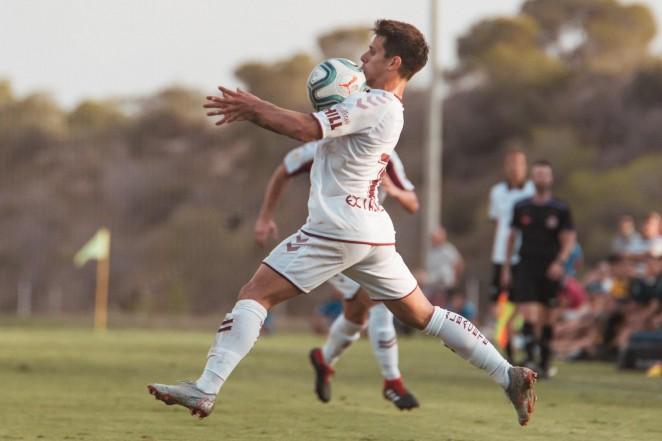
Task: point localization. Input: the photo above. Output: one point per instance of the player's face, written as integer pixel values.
(515, 168)
(375, 65)
(542, 177)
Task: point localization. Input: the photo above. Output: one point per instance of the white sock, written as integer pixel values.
(384, 341)
(341, 334)
(234, 340)
(464, 338)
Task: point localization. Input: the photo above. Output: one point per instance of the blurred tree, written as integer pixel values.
(282, 82)
(345, 43)
(91, 117)
(601, 35)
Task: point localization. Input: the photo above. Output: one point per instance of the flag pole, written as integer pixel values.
(101, 297)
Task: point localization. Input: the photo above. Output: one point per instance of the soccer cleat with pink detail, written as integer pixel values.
(521, 393)
(184, 393)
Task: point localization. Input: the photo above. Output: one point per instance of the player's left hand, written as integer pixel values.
(236, 105)
(555, 271)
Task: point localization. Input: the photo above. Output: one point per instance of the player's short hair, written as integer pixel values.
(542, 163)
(405, 41)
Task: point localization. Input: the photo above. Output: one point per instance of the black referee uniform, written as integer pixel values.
(541, 226)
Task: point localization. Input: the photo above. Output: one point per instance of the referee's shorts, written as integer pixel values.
(531, 284)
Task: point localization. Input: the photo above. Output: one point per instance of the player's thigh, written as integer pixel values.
(414, 310)
(307, 262)
(383, 274)
(268, 288)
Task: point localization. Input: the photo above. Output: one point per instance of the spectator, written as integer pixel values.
(627, 238)
(445, 266)
(650, 241)
(503, 197)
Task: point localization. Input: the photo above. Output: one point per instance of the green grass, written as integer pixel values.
(70, 384)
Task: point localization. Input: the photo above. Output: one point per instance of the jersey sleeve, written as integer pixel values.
(396, 171)
(565, 222)
(492, 210)
(300, 159)
(358, 113)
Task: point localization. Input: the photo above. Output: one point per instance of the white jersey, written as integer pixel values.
(300, 160)
(502, 201)
(359, 136)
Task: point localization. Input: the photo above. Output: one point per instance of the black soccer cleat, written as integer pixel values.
(396, 392)
(323, 374)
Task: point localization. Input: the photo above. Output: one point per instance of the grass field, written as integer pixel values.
(70, 384)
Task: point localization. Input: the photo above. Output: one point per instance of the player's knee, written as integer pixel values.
(355, 313)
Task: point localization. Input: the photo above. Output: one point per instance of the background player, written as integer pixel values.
(548, 238)
(503, 197)
(347, 230)
(357, 306)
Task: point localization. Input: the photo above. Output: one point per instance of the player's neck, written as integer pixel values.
(394, 85)
(542, 197)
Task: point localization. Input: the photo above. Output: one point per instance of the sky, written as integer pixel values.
(77, 49)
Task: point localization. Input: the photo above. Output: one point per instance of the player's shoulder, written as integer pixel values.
(558, 204)
(524, 203)
(375, 100)
(499, 188)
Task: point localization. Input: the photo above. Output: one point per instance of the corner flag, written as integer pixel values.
(97, 248)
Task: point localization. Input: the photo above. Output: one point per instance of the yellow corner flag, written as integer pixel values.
(96, 248)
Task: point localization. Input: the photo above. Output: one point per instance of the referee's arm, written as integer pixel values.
(505, 268)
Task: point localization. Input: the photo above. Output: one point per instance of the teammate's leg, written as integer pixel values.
(346, 329)
(383, 339)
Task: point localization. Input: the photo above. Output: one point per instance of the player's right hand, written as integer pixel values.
(263, 229)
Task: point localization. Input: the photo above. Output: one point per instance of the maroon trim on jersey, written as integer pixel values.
(395, 177)
(347, 241)
(393, 300)
(304, 168)
(283, 276)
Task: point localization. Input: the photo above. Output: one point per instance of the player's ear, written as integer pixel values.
(395, 63)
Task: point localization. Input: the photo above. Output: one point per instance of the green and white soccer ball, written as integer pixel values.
(333, 80)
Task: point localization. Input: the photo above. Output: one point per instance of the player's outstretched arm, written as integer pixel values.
(265, 225)
(243, 106)
(407, 198)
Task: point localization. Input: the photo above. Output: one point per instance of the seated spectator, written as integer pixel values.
(650, 242)
(627, 237)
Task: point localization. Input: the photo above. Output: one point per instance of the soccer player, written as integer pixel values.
(503, 197)
(357, 306)
(548, 238)
(347, 229)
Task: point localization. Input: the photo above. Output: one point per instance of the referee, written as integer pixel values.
(548, 238)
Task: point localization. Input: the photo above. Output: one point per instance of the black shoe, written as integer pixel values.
(323, 373)
(395, 392)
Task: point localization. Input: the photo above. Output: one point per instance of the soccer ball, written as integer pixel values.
(333, 80)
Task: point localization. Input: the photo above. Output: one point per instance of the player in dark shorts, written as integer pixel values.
(548, 237)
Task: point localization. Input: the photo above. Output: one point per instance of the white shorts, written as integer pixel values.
(308, 261)
(345, 286)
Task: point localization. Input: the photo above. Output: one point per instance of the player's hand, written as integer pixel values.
(265, 228)
(233, 106)
(388, 186)
(506, 277)
(555, 271)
